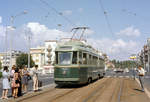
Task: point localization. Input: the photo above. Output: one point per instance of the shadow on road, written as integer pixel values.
(138, 90)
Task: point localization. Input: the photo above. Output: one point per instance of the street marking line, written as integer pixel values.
(108, 76)
(145, 89)
(127, 77)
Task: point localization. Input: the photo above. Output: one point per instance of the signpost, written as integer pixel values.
(132, 57)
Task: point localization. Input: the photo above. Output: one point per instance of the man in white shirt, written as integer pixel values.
(35, 78)
(141, 75)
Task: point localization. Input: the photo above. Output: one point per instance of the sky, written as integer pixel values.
(118, 28)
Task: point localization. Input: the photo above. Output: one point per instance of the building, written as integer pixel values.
(144, 56)
(38, 56)
(44, 56)
(5, 57)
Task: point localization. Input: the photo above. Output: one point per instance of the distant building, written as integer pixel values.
(5, 57)
(38, 56)
(44, 56)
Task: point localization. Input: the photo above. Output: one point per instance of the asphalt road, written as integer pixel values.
(103, 90)
(46, 80)
(111, 73)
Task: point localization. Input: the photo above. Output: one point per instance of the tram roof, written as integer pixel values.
(75, 45)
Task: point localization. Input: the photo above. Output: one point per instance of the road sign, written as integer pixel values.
(133, 57)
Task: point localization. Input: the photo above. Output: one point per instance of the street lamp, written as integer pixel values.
(12, 23)
(6, 46)
(6, 33)
(27, 32)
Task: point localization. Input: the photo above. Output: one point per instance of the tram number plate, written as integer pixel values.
(64, 71)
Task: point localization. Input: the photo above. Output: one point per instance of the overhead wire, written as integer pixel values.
(106, 17)
(57, 12)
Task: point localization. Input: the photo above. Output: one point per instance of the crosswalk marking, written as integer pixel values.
(117, 76)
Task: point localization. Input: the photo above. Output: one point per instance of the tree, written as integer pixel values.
(22, 60)
(124, 64)
(0, 65)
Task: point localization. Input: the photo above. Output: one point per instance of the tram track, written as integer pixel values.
(117, 91)
(57, 94)
(120, 91)
(62, 95)
(92, 97)
(104, 90)
(114, 97)
(77, 94)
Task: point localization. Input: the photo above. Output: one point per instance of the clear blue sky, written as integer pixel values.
(121, 15)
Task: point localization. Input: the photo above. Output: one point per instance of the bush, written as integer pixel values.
(0, 74)
(22, 60)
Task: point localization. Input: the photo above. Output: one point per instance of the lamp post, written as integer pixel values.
(12, 23)
(29, 44)
(6, 46)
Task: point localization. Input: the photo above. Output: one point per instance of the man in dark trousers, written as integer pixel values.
(141, 72)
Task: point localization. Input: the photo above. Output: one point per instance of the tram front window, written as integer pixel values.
(65, 58)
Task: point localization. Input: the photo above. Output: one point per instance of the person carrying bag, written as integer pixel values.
(141, 73)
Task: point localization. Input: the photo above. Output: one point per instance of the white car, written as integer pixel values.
(126, 70)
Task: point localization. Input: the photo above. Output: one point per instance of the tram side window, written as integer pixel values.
(95, 60)
(74, 58)
(56, 57)
(90, 59)
(84, 58)
(80, 57)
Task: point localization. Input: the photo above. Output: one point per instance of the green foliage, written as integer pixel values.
(0, 65)
(0, 74)
(23, 60)
(124, 64)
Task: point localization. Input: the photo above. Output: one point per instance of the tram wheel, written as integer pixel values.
(89, 80)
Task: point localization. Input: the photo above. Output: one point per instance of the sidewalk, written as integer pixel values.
(30, 94)
(146, 85)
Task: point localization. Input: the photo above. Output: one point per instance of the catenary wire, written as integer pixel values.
(106, 17)
(57, 12)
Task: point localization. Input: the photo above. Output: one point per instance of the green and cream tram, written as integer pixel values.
(77, 63)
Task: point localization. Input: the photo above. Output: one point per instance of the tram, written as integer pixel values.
(77, 63)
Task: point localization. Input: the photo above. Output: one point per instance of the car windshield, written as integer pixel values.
(65, 58)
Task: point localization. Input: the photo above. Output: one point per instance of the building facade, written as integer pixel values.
(44, 56)
(6, 59)
(144, 56)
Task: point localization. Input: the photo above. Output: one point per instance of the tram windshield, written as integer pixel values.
(65, 58)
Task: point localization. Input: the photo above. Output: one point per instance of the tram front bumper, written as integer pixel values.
(66, 79)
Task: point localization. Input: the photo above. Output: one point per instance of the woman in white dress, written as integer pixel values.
(5, 83)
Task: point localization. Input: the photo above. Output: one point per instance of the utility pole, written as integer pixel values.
(6, 46)
(133, 56)
(29, 42)
(12, 24)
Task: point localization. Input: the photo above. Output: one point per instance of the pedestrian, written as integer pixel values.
(11, 76)
(35, 78)
(25, 75)
(141, 74)
(20, 83)
(5, 82)
(15, 83)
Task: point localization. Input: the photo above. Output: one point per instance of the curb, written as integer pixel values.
(145, 89)
(31, 94)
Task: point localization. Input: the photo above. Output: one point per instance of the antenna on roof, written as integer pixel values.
(75, 31)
